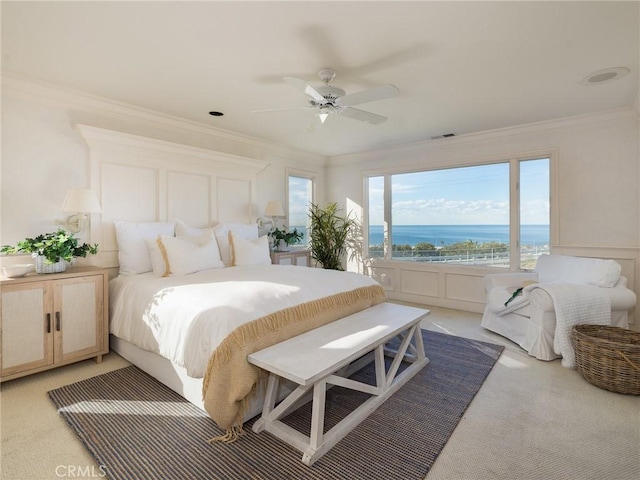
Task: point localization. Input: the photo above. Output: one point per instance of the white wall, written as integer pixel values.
(43, 155)
(598, 175)
(598, 201)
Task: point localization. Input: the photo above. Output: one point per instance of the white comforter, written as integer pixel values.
(185, 318)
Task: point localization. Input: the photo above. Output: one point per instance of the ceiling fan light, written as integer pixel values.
(323, 117)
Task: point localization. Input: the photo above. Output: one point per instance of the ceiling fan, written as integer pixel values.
(330, 100)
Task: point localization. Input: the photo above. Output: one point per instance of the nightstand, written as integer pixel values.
(53, 319)
(298, 257)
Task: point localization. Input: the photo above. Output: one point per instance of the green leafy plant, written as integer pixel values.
(290, 238)
(53, 246)
(329, 234)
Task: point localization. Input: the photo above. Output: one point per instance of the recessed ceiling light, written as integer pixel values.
(604, 76)
(216, 114)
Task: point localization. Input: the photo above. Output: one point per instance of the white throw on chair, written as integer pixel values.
(561, 292)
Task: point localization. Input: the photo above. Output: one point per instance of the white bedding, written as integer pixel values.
(185, 318)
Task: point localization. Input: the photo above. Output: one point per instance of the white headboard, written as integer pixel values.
(141, 179)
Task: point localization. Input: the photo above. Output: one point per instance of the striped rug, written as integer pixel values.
(136, 428)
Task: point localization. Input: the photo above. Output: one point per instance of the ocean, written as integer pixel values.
(532, 235)
(438, 235)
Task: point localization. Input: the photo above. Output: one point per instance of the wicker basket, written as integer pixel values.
(608, 357)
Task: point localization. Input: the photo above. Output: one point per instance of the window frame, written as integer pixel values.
(514, 201)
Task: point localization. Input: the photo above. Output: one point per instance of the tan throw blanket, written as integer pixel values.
(230, 379)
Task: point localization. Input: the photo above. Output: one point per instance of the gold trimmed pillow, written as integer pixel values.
(247, 231)
(182, 256)
(158, 256)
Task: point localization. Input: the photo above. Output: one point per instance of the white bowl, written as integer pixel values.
(13, 271)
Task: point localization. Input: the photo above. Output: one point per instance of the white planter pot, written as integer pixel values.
(43, 267)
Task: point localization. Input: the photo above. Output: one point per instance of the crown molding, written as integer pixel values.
(100, 138)
(63, 97)
(545, 126)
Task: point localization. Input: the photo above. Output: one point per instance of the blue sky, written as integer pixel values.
(457, 197)
(300, 195)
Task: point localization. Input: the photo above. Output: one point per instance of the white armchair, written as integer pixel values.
(529, 319)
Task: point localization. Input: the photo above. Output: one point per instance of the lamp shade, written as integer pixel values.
(81, 201)
(274, 209)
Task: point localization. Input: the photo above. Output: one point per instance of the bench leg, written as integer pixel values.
(269, 402)
(316, 438)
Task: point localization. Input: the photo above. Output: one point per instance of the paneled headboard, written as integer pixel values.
(141, 179)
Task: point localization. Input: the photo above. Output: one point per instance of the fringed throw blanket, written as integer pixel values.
(230, 379)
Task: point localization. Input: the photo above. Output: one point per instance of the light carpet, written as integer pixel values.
(136, 428)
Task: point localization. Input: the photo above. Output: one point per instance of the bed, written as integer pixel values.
(144, 185)
(175, 326)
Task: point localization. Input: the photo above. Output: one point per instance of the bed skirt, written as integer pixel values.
(176, 378)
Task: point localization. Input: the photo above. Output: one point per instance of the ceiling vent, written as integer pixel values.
(446, 135)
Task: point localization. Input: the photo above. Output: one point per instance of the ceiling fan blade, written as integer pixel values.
(371, 95)
(306, 88)
(363, 116)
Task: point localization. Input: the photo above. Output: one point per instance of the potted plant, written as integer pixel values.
(52, 251)
(283, 236)
(329, 234)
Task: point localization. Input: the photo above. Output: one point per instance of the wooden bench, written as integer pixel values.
(328, 355)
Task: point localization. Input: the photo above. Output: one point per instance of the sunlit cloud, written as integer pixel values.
(440, 211)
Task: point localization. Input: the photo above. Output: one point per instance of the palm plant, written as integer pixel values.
(329, 233)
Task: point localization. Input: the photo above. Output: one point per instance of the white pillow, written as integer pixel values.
(197, 235)
(582, 270)
(133, 254)
(241, 230)
(184, 230)
(249, 252)
(183, 257)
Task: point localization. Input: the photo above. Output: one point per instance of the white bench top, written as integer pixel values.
(317, 353)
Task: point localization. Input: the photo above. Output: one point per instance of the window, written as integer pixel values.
(462, 215)
(300, 197)
(376, 216)
(534, 211)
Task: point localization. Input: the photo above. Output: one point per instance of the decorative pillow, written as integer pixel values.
(583, 270)
(182, 257)
(133, 254)
(157, 254)
(244, 231)
(249, 252)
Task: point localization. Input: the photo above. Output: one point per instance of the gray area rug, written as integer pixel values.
(136, 428)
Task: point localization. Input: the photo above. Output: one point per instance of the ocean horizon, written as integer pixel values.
(439, 235)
